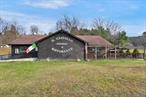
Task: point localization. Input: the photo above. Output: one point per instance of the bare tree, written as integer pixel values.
(71, 24)
(34, 29)
(144, 34)
(109, 28)
(143, 42)
(98, 22)
(21, 29)
(3, 26)
(113, 27)
(140, 42)
(0, 38)
(9, 31)
(10, 34)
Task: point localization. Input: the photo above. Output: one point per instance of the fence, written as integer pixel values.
(125, 56)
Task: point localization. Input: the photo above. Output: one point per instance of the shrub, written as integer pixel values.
(135, 53)
(121, 53)
(128, 53)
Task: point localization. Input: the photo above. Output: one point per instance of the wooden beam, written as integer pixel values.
(95, 52)
(144, 53)
(115, 52)
(106, 52)
(86, 51)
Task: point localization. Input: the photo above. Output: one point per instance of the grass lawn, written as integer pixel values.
(102, 78)
(139, 50)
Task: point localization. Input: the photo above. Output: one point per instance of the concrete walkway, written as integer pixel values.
(22, 59)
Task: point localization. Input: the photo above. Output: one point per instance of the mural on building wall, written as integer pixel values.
(62, 46)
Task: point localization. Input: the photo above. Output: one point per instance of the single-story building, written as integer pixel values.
(60, 45)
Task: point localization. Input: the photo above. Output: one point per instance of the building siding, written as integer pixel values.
(61, 46)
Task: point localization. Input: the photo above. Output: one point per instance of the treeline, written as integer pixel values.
(8, 32)
(109, 30)
(11, 30)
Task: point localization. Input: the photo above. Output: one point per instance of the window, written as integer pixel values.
(91, 49)
(16, 51)
(36, 49)
(20, 50)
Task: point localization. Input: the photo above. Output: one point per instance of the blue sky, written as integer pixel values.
(131, 14)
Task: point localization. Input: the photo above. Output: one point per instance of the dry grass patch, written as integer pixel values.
(73, 79)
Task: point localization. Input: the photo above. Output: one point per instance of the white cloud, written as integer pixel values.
(7, 15)
(134, 7)
(135, 30)
(101, 10)
(45, 24)
(50, 4)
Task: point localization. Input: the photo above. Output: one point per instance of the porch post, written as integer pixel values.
(144, 53)
(106, 52)
(86, 52)
(115, 52)
(95, 52)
